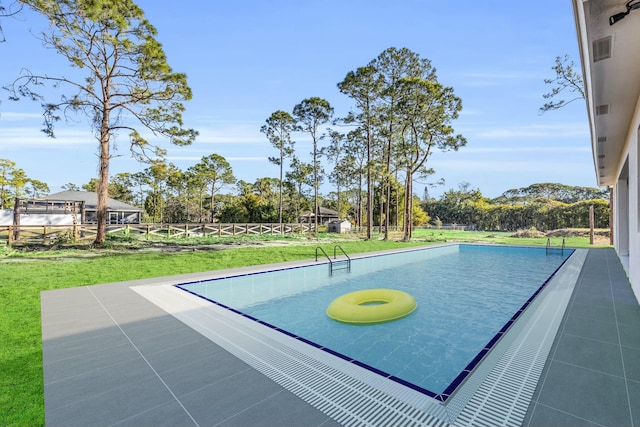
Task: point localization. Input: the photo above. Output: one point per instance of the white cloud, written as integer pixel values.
(32, 137)
(17, 117)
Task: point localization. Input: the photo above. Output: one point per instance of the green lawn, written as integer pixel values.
(24, 275)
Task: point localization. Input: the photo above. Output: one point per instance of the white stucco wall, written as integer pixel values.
(6, 218)
(626, 210)
(634, 210)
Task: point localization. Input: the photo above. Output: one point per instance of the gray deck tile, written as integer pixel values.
(83, 344)
(591, 354)
(167, 415)
(82, 386)
(623, 295)
(289, 412)
(634, 400)
(631, 357)
(86, 362)
(169, 338)
(594, 298)
(160, 328)
(190, 378)
(111, 407)
(592, 328)
(229, 397)
(603, 313)
(629, 316)
(186, 354)
(91, 321)
(629, 336)
(544, 416)
(587, 394)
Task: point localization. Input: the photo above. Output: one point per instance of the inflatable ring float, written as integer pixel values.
(371, 306)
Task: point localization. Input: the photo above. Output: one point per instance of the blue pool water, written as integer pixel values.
(467, 296)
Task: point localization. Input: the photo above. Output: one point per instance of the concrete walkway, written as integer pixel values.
(592, 377)
(112, 358)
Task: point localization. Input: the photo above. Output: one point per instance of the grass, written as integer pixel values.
(25, 274)
(500, 237)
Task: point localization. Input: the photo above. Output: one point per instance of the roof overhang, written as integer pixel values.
(612, 83)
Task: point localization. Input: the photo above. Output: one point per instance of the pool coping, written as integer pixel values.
(431, 412)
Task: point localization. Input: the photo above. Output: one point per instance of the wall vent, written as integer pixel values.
(601, 156)
(602, 139)
(602, 109)
(601, 49)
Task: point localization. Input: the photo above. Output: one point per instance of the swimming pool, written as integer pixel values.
(463, 307)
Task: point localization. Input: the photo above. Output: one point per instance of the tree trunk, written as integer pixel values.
(315, 185)
(212, 201)
(359, 201)
(339, 198)
(103, 182)
(369, 187)
(280, 197)
(397, 204)
(407, 207)
(387, 188)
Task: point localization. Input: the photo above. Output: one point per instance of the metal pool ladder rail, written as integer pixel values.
(550, 248)
(335, 263)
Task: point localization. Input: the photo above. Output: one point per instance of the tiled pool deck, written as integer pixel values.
(112, 358)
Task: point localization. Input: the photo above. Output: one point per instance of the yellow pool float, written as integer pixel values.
(371, 306)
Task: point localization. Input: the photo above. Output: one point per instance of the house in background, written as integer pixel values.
(609, 39)
(324, 216)
(117, 212)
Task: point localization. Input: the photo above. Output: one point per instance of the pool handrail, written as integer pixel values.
(335, 248)
(550, 247)
(348, 260)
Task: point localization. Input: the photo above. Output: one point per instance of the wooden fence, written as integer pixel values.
(50, 234)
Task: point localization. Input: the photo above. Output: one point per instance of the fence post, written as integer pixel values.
(148, 227)
(44, 234)
(83, 218)
(10, 236)
(16, 219)
(186, 230)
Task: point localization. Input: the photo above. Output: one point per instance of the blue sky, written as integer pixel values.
(246, 59)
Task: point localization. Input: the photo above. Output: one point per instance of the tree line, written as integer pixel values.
(170, 195)
(546, 206)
